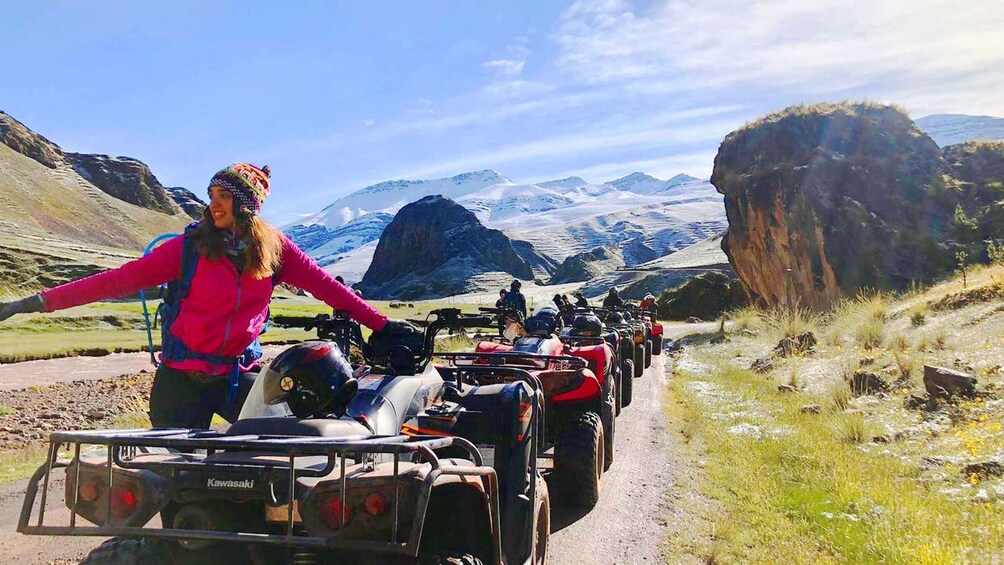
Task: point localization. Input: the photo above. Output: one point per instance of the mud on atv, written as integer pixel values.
(276, 488)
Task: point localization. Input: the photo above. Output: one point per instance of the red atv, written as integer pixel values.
(580, 400)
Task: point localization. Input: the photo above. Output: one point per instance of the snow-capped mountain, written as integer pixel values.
(643, 216)
(640, 183)
(327, 245)
(949, 129)
(391, 196)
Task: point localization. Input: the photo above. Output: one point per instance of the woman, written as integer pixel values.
(240, 259)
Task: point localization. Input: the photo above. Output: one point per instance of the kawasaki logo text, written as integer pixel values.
(246, 484)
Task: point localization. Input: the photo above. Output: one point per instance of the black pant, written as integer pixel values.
(179, 401)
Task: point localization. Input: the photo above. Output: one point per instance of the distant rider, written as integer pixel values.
(648, 303)
(240, 259)
(514, 299)
(613, 300)
(580, 301)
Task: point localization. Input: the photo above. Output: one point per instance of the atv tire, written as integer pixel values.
(657, 345)
(542, 524)
(609, 422)
(578, 460)
(452, 559)
(639, 360)
(130, 551)
(627, 384)
(619, 380)
(648, 353)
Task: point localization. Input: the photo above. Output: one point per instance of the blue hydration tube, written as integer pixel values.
(142, 297)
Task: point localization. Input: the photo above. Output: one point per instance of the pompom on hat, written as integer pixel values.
(247, 183)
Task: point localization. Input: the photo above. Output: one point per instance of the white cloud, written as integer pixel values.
(581, 144)
(369, 122)
(823, 45)
(506, 67)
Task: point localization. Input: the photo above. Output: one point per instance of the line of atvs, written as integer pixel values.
(405, 456)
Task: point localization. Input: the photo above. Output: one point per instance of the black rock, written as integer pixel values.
(941, 382)
(432, 248)
(868, 383)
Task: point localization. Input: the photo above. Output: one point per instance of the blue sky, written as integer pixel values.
(338, 95)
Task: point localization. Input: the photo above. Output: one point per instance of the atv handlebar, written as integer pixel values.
(345, 332)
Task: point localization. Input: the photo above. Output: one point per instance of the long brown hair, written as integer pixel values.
(263, 243)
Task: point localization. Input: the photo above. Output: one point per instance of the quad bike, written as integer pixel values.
(509, 322)
(654, 329)
(579, 383)
(298, 480)
(630, 329)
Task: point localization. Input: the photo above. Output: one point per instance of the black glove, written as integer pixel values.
(399, 328)
(395, 334)
(22, 306)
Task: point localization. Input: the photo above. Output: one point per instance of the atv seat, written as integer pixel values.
(315, 427)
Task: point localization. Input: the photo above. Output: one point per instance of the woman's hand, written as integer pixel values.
(22, 306)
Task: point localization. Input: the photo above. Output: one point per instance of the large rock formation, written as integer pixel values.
(825, 200)
(124, 178)
(978, 171)
(432, 248)
(588, 265)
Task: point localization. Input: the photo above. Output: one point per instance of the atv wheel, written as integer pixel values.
(639, 360)
(648, 353)
(578, 460)
(128, 551)
(627, 385)
(542, 526)
(453, 559)
(619, 380)
(657, 345)
(609, 422)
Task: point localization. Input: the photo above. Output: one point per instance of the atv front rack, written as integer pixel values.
(123, 445)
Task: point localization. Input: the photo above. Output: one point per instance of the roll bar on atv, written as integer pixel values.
(123, 452)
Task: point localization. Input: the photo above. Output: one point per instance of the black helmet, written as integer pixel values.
(516, 285)
(615, 318)
(587, 325)
(313, 378)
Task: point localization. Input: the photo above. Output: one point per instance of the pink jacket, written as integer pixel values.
(224, 311)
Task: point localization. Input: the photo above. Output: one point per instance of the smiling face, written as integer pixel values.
(221, 206)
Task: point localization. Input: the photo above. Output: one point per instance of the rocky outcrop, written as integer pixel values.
(187, 200)
(588, 265)
(704, 296)
(124, 178)
(431, 249)
(127, 179)
(825, 200)
(18, 137)
(978, 171)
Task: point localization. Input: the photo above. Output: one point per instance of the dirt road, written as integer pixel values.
(49, 371)
(629, 525)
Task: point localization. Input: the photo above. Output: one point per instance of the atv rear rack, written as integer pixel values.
(123, 445)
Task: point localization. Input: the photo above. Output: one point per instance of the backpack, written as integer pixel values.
(175, 291)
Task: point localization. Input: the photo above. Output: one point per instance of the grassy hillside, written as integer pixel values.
(55, 226)
(804, 469)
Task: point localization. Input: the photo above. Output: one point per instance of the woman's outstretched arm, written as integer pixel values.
(161, 265)
(303, 272)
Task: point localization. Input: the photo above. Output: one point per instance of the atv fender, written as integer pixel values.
(458, 520)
